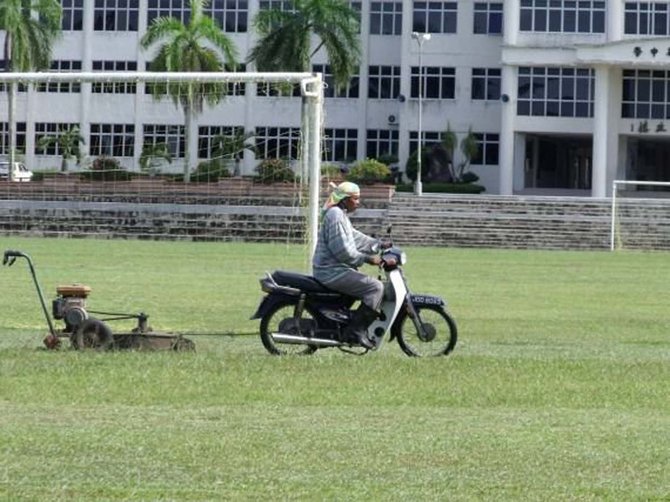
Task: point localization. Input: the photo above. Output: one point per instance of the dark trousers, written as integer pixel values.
(359, 285)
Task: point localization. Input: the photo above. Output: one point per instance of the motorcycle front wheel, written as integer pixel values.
(281, 320)
(439, 337)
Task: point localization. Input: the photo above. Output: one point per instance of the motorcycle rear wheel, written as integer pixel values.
(282, 315)
(440, 327)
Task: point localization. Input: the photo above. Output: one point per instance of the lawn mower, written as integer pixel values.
(88, 332)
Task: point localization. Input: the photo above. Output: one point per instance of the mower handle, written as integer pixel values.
(11, 256)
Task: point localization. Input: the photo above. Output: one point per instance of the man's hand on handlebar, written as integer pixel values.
(379, 261)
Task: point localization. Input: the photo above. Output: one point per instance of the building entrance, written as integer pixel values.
(558, 162)
(648, 160)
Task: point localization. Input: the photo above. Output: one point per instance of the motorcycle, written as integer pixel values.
(299, 315)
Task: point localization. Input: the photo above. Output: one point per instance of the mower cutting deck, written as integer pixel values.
(89, 332)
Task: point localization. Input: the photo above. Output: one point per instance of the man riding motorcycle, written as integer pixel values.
(340, 250)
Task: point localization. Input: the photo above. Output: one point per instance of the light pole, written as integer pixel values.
(420, 39)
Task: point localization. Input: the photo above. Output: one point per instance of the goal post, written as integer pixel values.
(311, 116)
(616, 230)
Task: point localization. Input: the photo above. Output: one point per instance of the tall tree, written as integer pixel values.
(199, 46)
(31, 27)
(285, 42)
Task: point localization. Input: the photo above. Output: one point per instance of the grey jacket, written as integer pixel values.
(340, 247)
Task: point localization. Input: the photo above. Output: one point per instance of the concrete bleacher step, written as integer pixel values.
(430, 220)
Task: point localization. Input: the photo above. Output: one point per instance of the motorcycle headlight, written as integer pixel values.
(403, 258)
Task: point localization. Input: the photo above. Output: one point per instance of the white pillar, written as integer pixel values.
(600, 126)
(511, 13)
(615, 21)
(506, 152)
(511, 10)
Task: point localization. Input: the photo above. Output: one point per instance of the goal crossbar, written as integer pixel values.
(152, 76)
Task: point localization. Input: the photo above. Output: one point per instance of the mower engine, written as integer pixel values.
(70, 305)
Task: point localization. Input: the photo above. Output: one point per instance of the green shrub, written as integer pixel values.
(210, 170)
(106, 168)
(369, 171)
(331, 171)
(274, 170)
(469, 177)
(41, 175)
(443, 188)
(412, 164)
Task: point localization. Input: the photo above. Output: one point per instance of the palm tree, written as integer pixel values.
(286, 35)
(470, 150)
(67, 141)
(199, 46)
(28, 43)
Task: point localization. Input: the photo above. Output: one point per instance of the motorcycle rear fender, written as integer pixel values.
(269, 301)
(427, 300)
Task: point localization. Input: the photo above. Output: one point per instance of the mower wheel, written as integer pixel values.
(93, 334)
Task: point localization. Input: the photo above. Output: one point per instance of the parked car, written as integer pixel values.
(19, 173)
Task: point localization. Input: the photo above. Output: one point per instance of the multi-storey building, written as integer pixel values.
(560, 94)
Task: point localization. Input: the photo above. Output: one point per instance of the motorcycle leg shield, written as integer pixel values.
(357, 330)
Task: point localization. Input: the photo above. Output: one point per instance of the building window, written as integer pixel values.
(114, 140)
(275, 90)
(381, 143)
(283, 5)
(386, 18)
(212, 138)
(231, 15)
(486, 84)
(61, 66)
(488, 147)
(340, 145)
(3, 87)
(177, 9)
(115, 15)
(114, 87)
(562, 16)
(555, 92)
(350, 91)
(170, 135)
(356, 6)
(236, 88)
(430, 138)
(488, 18)
(73, 15)
(19, 134)
(646, 18)
(384, 82)
(47, 129)
(438, 82)
(435, 17)
(646, 94)
(278, 142)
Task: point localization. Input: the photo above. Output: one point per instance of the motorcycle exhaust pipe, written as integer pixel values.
(303, 340)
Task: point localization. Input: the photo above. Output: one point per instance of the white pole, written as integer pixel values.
(614, 183)
(315, 99)
(420, 39)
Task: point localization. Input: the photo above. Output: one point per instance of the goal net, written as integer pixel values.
(640, 215)
(197, 150)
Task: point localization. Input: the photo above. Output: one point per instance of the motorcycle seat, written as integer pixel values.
(305, 283)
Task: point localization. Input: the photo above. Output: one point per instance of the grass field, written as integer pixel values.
(557, 390)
